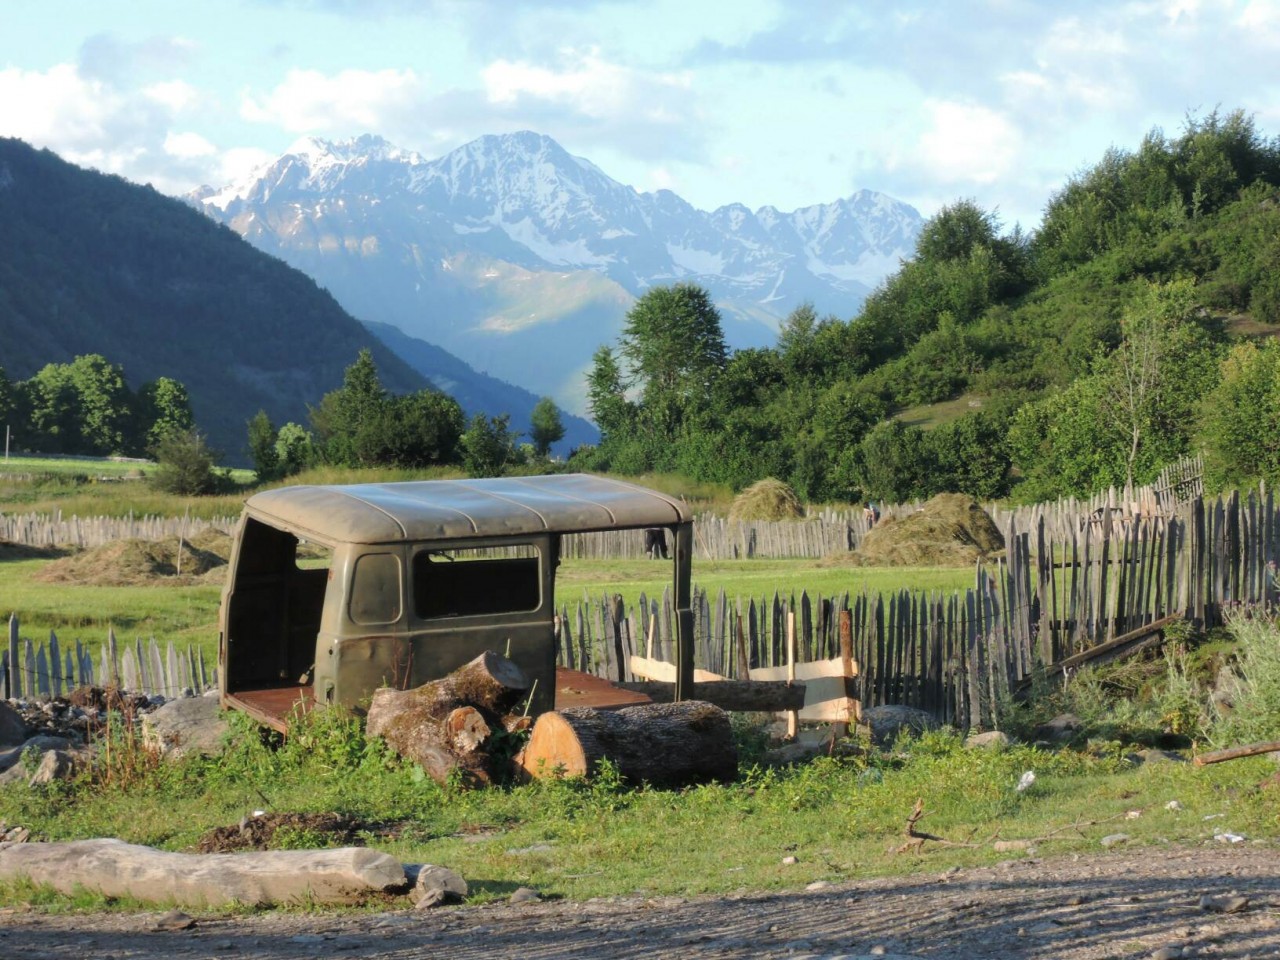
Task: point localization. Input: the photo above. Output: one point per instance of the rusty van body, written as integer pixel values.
(335, 591)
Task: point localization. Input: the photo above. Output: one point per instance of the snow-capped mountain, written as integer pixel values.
(522, 259)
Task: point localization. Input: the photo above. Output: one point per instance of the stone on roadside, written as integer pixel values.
(1230, 903)
(434, 885)
(116, 869)
(525, 895)
(173, 920)
(993, 740)
(189, 725)
(886, 723)
(1114, 840)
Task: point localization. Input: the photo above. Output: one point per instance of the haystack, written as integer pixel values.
(949, 530)
(766, 499)
(133, 563)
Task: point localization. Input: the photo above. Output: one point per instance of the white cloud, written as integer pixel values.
(591, 86)
(966, 143)
(308, 101)
(177, 95)
(58, 108)
(187, 146)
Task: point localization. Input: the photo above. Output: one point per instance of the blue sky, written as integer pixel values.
(782, 102)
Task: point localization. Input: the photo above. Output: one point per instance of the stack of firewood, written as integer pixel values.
(451, 728)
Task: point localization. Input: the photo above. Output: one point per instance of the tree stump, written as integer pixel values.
(663, 744)
(445, 724)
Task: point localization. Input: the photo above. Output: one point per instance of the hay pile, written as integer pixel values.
(767, 499)
(126, 563)
(950, 530)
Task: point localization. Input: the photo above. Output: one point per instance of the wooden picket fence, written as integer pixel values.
(41, 671)
(960, 656)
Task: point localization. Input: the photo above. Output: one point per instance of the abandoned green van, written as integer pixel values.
(335, 591)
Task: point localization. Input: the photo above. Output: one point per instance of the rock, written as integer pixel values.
(890, 721)
(187, 725)
(788, 861)
(13, 730)
(1152, 755)
(818, 885)
(1009, 846)
(793, 753)
(994, 740)
(41, 742)
(433, 885)
(525, 895)
(1115, 840)
(117, 869)
(174, 920)
(54, 765)
(1230, 903)
(1167, 953)
(1060, 729)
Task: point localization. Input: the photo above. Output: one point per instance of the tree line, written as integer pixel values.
(86, 407)
(361, 424)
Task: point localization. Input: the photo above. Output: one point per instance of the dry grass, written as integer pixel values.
(950, 530)
(766, 499)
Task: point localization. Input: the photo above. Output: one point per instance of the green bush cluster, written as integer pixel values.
(1093, 349)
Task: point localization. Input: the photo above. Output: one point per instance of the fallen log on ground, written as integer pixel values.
(1235, 753)
(117, 869)
(445, 725)
(762, 696)
(663, 744)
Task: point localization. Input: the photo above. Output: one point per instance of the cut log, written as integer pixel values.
(442, 724)
(663, 744)
(117, 869)
(742, 695)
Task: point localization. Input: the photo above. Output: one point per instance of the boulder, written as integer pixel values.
(55, 765)
(434, 885)
(117, 869)
(186, 725)
(40, 743)
(13, 730)
(993, 740)
(1061, 729)
(888, 722)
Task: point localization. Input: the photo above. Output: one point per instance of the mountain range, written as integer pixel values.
(522, 259)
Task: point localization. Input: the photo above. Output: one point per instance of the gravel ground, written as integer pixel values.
(1214, 901)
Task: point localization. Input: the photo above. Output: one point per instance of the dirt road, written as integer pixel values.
(1135, 903)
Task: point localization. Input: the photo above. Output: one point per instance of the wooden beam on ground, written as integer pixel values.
(1235, 753)
(1125, 645)
(743, 696)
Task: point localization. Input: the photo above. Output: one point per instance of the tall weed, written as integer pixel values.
(1254, 711)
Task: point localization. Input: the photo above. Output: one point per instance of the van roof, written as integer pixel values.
(458, 509)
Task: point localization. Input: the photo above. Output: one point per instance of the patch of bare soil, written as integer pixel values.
(137, 563)
(259, 832)
(949, 530)
(1210, 901)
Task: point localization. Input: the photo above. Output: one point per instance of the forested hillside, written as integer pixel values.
(1127, 331)
(91, 264)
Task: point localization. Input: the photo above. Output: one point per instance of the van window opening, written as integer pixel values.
(474, 581)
